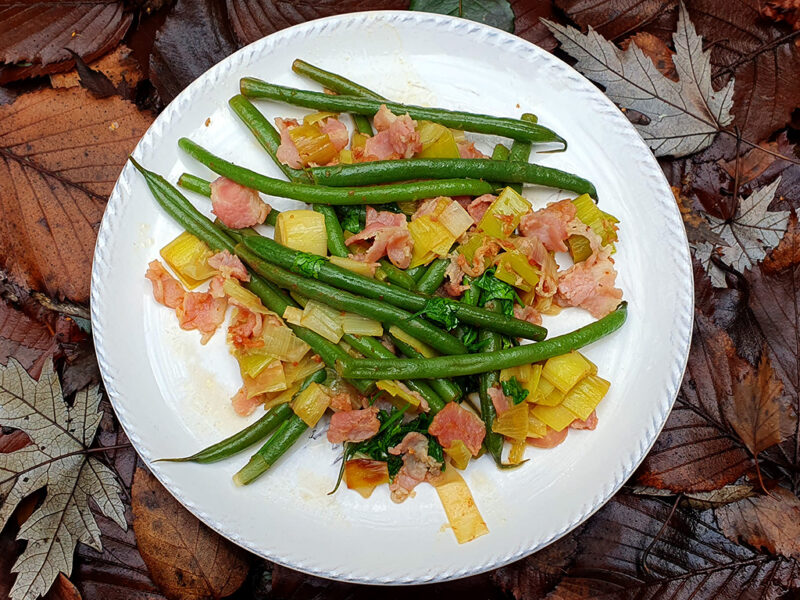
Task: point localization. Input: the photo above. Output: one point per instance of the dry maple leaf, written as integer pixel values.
(185, 558)
(770, 521)
(686, 115)
(57, 459)
(60, 154)
(748, 236)
(656, 50)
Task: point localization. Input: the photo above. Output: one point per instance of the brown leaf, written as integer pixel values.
(697, 449)
(757, 412)
(751, 164)
(11, 442)
(617, 19)
(783, 10)
(627, 551)
(656, 50)
(537, 575)
(60, 153)
(63, 589)
(118, 65)
(724, 495)
(35, 36)
(31, 342)
(697, 229)
(787, 252)
(771, 522)
(177, 59)
(253, 19)
(528, 24)
(185, 558)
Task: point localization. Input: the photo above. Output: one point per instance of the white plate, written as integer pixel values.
(172, 395)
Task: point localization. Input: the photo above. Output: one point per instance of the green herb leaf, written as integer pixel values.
(496, 13)
(494, 289)
(352, 218)
(440, 310)
(307, 264)
(512, 389)
(471, 341)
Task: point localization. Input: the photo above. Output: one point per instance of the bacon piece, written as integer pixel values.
(453, 423)
(468, 150)
(336, 131)
(426, 208)
(229, 266)
(215, 286)
(201, 311)
(397, 136)
(528, 313)
(590, 423)
(417, 465)
(243, 405)
(341, 402)
(287, 152)
(166, 289)
(551, 439)
(237, 206)
(478, 207)
(391, 238)
(549, 224)
(454, 287)
(548, 268)
(499, 400)
(245, 329)
(590, 285)
(354, 425)
(487, 250)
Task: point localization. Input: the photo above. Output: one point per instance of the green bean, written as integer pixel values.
(473, 364)
(386, 171)
(388, 272)
(252, 433)
(372, 348)
(315, 194)
(180, 209)
(478, 123)
(448, 389)
(339, 277)
(199, 185)
(340, 85)
(492, 343)
(265, 134)
(275, 447)
(521, 152)
(416, 272)
(333, 229)
(500, 152)
(342, 300)
(433, 277)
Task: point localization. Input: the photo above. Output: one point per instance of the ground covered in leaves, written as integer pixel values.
(714, 509)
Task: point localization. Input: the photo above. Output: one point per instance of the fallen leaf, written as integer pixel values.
(177, 59)
(537, 575)
(633, 548)
(787, 196)
(770, 521)
(57, 460)
(31, 342)
(753, 230)
(496, 13)
(698, 451)
(783, 10)
(752, 163)
(35, 36)
(787, 252)
(528, 22)
(63, 589)
(656, 50)
(11, 442)
(716, 498)
(185, 558)
(96, 82)
(10, 548)
(617, 19)
(253, 19)
(684, 116)
(118, 65)
(697, 228)
(60, 154)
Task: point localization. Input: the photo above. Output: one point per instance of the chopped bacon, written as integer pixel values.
(426, 208)
(166, 289)
(215, 286)
(229, 266)
(590, 423)
(336, 131)
(201, 311)
(549, 224)
(391, 238)
(468, 150)
(353, 425)
(551, 439)
(243, 405)
(548, 268)
(453, 423)
(455, 274)
(287, 152)
(417, 465)
(397, 136)
(487, 250)
(478, 207)
(499, 399)
(528, 313)
(245, 329)
(590, 284)
(340, 402)
(237, 206)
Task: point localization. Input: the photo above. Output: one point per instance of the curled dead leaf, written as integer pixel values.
(787, 252)
(60, 153)
(118, 65)
(185, 558)
(63, 589)
(656, 50)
